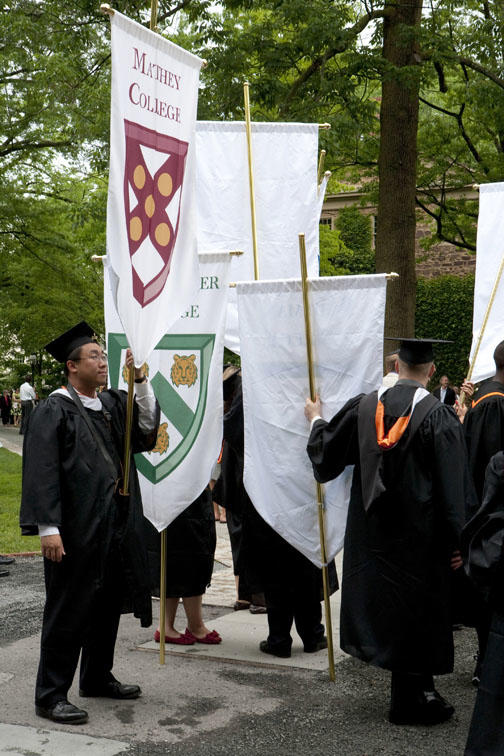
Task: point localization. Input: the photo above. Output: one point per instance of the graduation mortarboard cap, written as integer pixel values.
(416, 351)
(64, 345)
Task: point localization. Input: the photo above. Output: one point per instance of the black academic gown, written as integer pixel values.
(67, 483)
(190, 550)
(484, 430)
(291, 583)
(484, 536)
(395, 610)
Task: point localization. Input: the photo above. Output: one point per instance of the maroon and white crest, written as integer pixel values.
(153, 178)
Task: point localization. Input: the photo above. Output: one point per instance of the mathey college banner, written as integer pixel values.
(288, 200)
(489, 256)
(347, 315)
(185, 370)
(151, 241)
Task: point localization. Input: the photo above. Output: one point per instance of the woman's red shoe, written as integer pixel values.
(182, 640)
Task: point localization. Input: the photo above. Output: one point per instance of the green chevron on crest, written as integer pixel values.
(182, 417)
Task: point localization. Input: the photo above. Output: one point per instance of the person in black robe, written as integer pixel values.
(409, 493)
(291, 584)
(95, 562)
(484, 435)
(190, 551)
(6, 407)
(483, 539)
(229, 492)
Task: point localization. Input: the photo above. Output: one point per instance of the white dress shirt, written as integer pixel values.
(27, 392)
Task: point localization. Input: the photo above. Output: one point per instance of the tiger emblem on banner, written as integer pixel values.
(162, 440)
(153, 178)
(184, 372)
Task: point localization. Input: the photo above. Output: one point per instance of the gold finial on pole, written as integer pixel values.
(106, 9)
(320, 492)
(324, 126)
(248, 128)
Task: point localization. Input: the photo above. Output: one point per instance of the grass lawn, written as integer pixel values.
(11, 540)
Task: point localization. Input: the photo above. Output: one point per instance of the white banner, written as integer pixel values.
(151, 239)
(489, 255)
(347, 315)
(285, 163)
(185, 370)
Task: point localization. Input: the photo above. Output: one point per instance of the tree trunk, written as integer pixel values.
(396, 219)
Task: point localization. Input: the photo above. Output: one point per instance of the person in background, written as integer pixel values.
(391, 376)
(27, 397)
(190, 550)
(16, 407)
(444, 393)
(6, 407)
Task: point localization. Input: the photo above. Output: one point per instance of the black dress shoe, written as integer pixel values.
(4, 573)
(6, 560)
(113, 689)
(63, 712)
(311, 648)
(265, 647)
(429, 708)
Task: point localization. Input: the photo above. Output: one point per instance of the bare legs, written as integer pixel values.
(193, 611)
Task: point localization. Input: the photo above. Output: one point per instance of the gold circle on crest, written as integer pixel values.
(162, 234)
(135, 228)
(165, 184)
(150, 206)
(139, 176)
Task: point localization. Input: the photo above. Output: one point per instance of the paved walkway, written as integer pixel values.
(10, 438)
(242, 631)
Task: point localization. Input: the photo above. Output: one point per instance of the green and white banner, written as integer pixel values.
(185, 370)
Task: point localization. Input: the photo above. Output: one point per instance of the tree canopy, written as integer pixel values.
(322, 60)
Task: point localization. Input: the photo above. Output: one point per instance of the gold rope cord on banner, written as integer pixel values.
(248, 128)
(320, 492)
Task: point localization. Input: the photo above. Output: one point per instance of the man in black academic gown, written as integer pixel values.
(292, 585)
(484, 536)
(407, 507)
(484, 435)
(484, 422)
(95, 563)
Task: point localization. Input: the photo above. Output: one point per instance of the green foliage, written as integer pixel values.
(11, 540)
(335, 257)
(444, 311)
(356, 233)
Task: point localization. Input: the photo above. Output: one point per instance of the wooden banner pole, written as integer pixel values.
(162, 598)
(320, 492)
(248, 128)
(127, 431)
(154, 14)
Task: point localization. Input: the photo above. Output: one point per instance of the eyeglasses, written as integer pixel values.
(96, 357)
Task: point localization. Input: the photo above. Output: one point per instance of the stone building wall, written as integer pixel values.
(442, 259)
